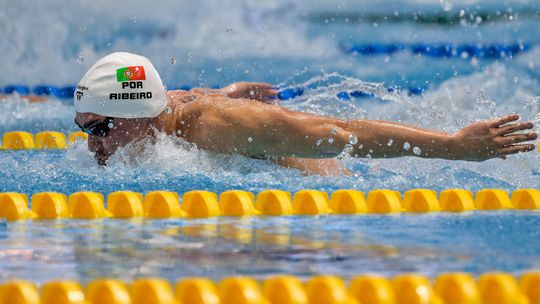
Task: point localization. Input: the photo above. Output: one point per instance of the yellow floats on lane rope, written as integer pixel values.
(51, 140)
(492, 199)
(456, 200)
(205, 204)
(448, 288)
(14, 206)
(383, 201)
(20, 140)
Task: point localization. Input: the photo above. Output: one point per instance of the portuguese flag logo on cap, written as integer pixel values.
(130, 73)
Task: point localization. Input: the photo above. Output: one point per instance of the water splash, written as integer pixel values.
(177, 165)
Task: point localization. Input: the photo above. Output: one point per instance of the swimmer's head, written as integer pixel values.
(118, 101)
(121, 85)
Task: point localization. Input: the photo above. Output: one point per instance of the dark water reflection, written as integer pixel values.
(303, 246)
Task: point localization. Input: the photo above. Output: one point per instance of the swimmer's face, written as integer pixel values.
(122, 131)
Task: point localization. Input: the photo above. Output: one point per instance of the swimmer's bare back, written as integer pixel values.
(307, 166)
(216, 122)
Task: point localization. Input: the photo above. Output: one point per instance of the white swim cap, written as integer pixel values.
(121, 85)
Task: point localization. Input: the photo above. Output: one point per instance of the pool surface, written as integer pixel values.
(262, 247)
(292, 45)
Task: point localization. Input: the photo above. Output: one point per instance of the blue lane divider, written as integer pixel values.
(41, 90)
(21, 89)
(66, 92)
(489, 51)
(291, 93)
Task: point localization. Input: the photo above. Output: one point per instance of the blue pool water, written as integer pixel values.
(290, 44)
(302, 246)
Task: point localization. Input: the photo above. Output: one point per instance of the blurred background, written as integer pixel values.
(216, 42)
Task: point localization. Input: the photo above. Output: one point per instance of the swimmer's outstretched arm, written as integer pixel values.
(254, 129)
(249, 90)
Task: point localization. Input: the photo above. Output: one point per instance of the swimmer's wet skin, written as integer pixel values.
(234, 120)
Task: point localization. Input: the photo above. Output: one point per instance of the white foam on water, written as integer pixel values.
(20, 115)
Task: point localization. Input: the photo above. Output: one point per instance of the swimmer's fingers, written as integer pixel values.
(262, 85)
(262, 91)
(511, 128)
(251, 90)
(266, 88)
(269, 92)
(495, 123)
(513, 149)
(516, 138)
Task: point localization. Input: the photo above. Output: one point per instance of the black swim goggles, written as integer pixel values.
(99, 128)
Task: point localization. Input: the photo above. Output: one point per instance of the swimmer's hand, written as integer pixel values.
(487, 139)
(251, 90)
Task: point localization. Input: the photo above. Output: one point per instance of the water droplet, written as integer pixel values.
(252, 93)
(168, 110)
(219, 51)
(79, 59)
(368, 156)
(390, 142)
(319, 142)
(110, 125)
(331, 140)
(134, 19)
(417, 150)
(353, 140)
(250, 139)
(361, 146)
(83, 29)
(334, 131)
(406, 146)
(179, 132)
(173, 60)
(229, 30)
(446, 5)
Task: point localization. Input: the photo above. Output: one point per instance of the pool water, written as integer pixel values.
(290, 44)
(302, 246)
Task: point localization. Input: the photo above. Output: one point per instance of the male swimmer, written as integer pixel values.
(121, 99)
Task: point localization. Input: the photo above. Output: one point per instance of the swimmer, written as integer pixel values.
(121, 99)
